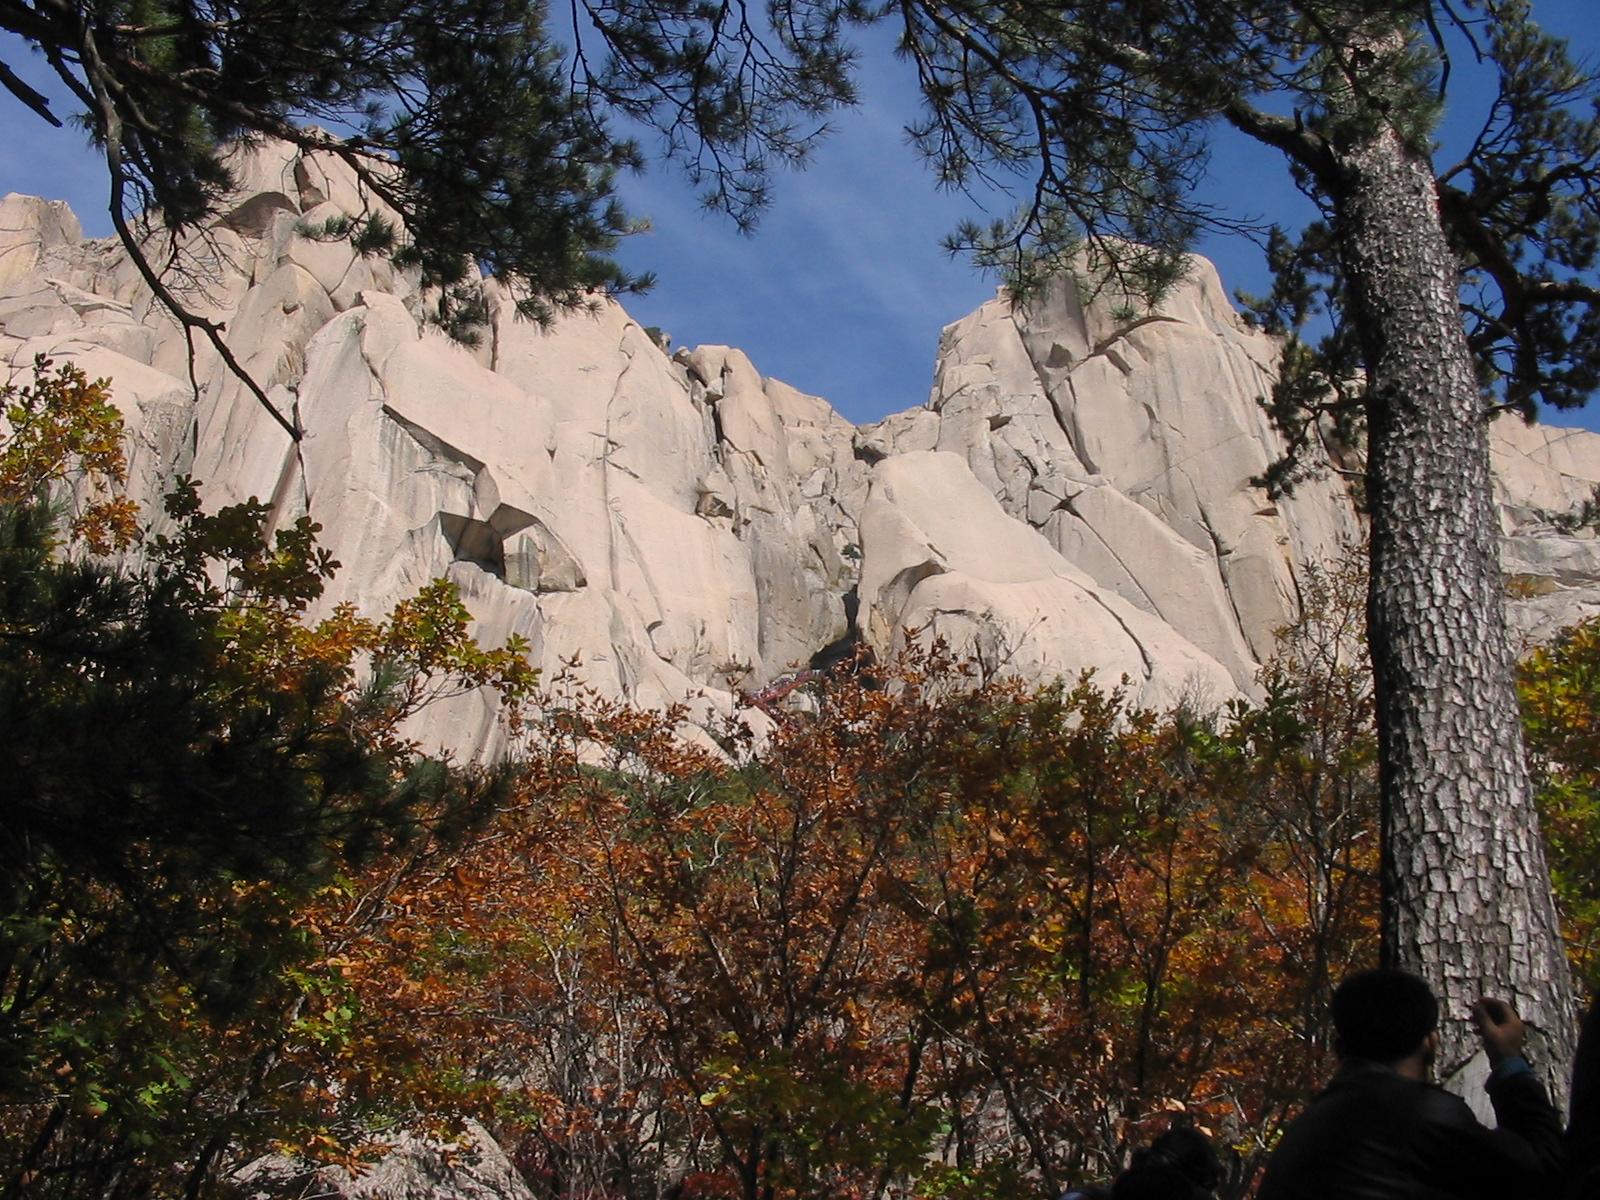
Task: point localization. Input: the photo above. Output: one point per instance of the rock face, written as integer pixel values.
(1076, 492)
(1549, 513)
(1129, 446)
(473, 1167)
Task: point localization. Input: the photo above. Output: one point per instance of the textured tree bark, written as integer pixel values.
(1467, 897)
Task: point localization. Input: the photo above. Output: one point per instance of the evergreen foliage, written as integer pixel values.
(187, 759)
(457, 117)
(490, 139)
(1521, 208)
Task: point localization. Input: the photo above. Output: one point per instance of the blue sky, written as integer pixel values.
(842, 289)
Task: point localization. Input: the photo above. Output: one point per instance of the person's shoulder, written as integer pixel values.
(1440, 1107)
(1358, 1075)
(1386, 1097)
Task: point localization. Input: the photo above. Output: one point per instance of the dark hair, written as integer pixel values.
(1181, 1164)
(1383, 1015)
(1153, 1181)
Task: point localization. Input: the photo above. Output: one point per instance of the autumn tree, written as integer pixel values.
(921, 937)
(1560, 684)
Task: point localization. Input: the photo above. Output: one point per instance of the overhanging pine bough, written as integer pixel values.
(461, 122)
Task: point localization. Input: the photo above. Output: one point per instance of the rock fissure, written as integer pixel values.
(1105, 344)
(1144, 655)
(433, 444)
(1116, 556)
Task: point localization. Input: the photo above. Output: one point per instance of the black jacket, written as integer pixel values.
(1375, 1134)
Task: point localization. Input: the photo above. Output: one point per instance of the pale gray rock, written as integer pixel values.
(1144, 561)
(30, 229)
(1547, 481)
(415, 1167)
(1063, 410)
(1541, 470)
(1076, 493)
(942, 559)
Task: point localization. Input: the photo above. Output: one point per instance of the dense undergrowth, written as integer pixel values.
(927, 933)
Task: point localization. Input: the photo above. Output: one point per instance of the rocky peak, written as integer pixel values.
(1075, 493)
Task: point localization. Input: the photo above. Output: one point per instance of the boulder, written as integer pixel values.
(415, 1167)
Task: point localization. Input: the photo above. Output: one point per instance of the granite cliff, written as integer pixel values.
(1075, 493)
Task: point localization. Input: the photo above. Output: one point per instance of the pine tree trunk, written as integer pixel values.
(1467, 898)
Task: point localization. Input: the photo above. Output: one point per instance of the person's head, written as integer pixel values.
(1181, 1164)
(1384, 1015)
(1152, 1181)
